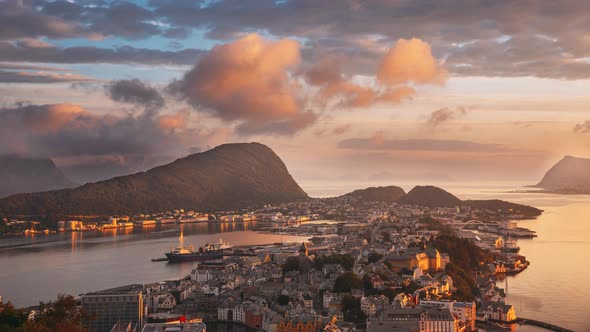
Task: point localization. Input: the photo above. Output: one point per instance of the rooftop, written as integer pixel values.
(175, 327)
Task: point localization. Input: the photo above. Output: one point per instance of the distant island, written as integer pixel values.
(570, 175)
(434, 197)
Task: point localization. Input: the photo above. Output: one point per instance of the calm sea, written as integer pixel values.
(554, 288)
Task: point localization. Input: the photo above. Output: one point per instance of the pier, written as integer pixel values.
(547, 326)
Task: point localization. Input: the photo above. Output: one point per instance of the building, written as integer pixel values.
(500, 312)
(422, 319)
(466, 313)
(125, 304)
(175, 327)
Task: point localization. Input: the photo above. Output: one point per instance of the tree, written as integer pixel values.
(346, 282)
(374, 257)
(410, 287)
(346, 261)
(367, 284)
(352, 309)
(292, 264)
(11, 319)
(283, 299)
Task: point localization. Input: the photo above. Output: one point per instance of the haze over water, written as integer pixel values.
(552, 289)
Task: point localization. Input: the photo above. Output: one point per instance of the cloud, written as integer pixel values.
(136, 92)
(10, 51)
(248, 81)
(18, 19)
(378, 142)
(583, 127)
(477, 38)
(341, 130)
(410, 61)
(69, 131)
(178, 120)
(40, 77)
(444, 115)
(24, 66)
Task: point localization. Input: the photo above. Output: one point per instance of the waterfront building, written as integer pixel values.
(107, 307)
(500, 312)
(176, 327)
(419, 319)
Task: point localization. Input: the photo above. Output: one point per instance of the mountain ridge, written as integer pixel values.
(568, 175)
(228, 176)
(435, 197)
(21, 174)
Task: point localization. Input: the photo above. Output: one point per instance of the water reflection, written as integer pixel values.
(77, 262)
(115, 236)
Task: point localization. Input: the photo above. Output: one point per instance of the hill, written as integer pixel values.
(430, 196)
(227, 177)
(569, 175)
(24, 174)
(496, 204)
(378, 194)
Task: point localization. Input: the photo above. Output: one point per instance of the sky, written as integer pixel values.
(380, 91)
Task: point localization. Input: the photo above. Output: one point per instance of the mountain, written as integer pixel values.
(24, 174)
(569, 175)
(226, 177)
(496, 204)
(430, 196)
(378, 194)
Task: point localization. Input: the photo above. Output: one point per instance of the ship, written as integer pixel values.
(205, 253)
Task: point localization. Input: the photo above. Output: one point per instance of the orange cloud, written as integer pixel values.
(177, 120)
(52, 118)
(246, 79)
(410, 61)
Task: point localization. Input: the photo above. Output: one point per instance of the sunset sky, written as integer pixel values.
(343, 90)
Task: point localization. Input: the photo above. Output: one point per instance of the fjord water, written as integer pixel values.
(553, 289)
(34, 269)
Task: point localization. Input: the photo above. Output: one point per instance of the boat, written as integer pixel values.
(207, 252)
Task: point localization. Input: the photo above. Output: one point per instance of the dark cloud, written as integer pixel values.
(121, 19)
(19, 19)
(135, 92)
(583, 127)
(472, 34)
(66, 130)
(379, 143)
(86, 54)
(21, 66)
(477, 38)
(40, 77)
(445, 114)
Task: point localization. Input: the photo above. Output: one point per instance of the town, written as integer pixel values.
(367, 265)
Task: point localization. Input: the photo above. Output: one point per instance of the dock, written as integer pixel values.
(161, 259)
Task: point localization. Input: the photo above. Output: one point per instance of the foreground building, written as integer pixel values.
(108, 307)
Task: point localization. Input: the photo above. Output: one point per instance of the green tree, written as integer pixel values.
(346, 282)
